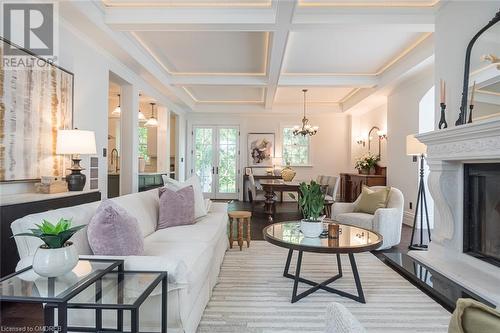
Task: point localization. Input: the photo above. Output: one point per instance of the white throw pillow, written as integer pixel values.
(194, 181)
(208, 204)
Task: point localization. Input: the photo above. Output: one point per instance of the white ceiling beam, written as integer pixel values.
(85, 18)
(280, 108)
(358, 81)
(279, 39)
(163, 19)
(403, 19)
(222, 80)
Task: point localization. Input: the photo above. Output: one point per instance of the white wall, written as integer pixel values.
(456, 23)
(361, 125)
(330, 147)
(91, 65)
(402, 120)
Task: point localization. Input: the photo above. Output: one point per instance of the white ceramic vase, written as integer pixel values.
(311, 229)
(55, 262)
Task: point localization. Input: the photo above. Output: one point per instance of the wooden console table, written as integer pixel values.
(15, 206)
(352, 183)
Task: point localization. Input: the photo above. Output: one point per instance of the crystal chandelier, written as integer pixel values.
(305, 129)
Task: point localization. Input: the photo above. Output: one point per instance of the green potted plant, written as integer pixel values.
(366, 164)
(57, 256)
(311, 201)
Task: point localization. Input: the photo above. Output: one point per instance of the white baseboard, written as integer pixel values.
(408, 218)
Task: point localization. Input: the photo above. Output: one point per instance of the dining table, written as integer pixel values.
(270, 187)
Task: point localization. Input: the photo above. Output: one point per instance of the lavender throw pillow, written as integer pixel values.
(113, 231)
(176, 207)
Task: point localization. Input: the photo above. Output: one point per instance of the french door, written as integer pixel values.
(215, 160)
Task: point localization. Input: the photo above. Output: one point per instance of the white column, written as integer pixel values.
(182, 133)
(129, 161)
(163, 140)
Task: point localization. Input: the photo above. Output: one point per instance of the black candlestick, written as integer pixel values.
(442, 121)
(471, 107)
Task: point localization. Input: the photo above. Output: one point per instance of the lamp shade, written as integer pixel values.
(75, 142)
(414, 147)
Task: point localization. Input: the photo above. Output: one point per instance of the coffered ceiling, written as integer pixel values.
(259, 54)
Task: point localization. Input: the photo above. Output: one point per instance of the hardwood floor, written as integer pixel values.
(287, 211)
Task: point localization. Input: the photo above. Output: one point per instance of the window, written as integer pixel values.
(143, 143)
(295, 148)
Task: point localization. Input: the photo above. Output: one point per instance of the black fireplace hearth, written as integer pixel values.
(482, 211)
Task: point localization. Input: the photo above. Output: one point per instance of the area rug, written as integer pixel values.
(253, 296)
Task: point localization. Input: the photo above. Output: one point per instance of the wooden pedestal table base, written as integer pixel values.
(270, 186)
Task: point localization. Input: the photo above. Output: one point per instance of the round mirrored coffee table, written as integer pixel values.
(349, 240)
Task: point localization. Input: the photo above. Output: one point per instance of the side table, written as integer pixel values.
(25, 286)
(121, 291)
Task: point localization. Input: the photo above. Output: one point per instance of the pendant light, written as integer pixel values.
(142, 117)
(305, 129)
(152, 122)
(117, 111)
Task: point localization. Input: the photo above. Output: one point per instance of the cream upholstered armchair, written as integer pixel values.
(386, 221)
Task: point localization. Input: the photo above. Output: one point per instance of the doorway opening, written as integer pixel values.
(114, 138)
(216, 151)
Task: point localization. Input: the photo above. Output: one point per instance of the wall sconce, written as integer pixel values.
(360, 141)
(380, 136)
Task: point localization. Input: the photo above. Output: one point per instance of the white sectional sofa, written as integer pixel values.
(191, 254)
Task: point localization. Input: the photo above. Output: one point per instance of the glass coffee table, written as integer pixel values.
(25, 286)
(350, 240)
(96, 284)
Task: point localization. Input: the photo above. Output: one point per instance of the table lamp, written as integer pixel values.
(416, 148)
(75, 142)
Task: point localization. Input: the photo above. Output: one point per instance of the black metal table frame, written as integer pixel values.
(133, 308)
(61, 302)
(322, 285)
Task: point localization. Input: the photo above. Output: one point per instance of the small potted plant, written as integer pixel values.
(366, 163)
(311, 201)
(57, 256)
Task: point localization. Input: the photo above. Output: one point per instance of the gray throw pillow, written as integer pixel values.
(176, 207)
(113, 231)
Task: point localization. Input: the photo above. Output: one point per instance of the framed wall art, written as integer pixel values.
(35, 102)
(260, 149)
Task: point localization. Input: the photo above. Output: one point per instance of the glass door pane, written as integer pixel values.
(204, 156)
(227, 173)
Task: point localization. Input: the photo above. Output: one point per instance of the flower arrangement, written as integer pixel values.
(366, 162)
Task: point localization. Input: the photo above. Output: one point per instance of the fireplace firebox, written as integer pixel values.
(482, 211)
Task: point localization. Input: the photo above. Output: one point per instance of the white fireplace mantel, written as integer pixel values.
(447, 152)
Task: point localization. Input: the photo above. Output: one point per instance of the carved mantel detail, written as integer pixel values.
(447, 152)
(469, 149)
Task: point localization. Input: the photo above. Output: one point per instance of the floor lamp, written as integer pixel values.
(416, 148)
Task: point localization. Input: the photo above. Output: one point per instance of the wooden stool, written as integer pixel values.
(241, 218)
